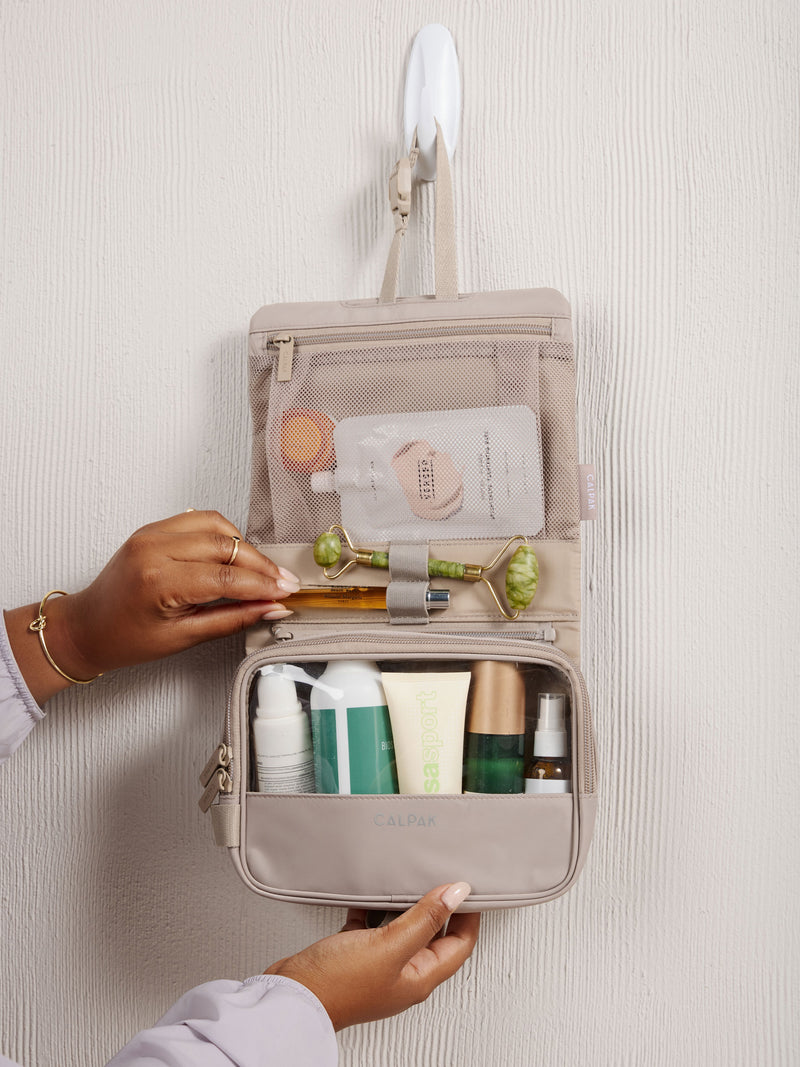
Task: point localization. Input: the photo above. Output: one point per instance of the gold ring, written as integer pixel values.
(235, 552)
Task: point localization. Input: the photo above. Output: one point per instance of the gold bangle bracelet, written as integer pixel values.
(37, 627)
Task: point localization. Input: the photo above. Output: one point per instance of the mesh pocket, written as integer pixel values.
(297, 422)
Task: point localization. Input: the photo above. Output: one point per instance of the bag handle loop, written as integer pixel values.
(444, 234)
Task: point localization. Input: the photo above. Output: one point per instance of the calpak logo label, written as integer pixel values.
(407, 822)
(587, 486)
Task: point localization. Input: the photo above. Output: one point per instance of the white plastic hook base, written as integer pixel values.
(433, 91)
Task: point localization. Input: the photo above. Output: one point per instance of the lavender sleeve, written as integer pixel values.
(265, 1021)
(19, 712)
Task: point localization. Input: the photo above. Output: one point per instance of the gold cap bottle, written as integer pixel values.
(495, 738)
(498, 698)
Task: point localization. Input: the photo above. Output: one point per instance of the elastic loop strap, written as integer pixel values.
(408, 561)
(405, 602)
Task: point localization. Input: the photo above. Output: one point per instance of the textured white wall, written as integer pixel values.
(167, 168)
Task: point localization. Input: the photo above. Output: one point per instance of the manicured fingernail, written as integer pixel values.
(288, 576)
(287, 586)
(456, 894)
(276, 613)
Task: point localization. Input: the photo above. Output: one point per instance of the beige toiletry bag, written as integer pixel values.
(431, 428)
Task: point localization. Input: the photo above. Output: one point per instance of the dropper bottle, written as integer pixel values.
(550, 770)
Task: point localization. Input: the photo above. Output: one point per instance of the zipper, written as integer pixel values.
(545, 635)
(547, 652)
(216, 776)
(286, 342)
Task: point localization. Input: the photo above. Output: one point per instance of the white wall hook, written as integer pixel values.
(433, 91)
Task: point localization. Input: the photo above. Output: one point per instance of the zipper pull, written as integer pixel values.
(220, 782)
(215, 777)
(284, 342)
(221, 758)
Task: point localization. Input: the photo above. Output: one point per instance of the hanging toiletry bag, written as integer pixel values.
(431, 441)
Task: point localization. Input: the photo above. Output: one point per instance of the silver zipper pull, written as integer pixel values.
(284, 342)
(220, 782)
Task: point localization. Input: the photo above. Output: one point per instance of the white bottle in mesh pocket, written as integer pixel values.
(474, 472)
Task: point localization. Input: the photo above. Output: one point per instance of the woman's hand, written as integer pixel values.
(359, 974)
(158, 595)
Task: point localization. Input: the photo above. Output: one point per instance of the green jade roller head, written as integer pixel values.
(522, 573)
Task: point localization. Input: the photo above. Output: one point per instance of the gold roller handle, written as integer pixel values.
(355, 597)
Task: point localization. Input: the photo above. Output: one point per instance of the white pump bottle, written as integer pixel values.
(281, 737)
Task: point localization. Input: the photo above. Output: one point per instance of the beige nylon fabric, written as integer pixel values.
(445, 249)
(445, 252)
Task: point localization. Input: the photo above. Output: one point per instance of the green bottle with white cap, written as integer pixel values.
(353, 747)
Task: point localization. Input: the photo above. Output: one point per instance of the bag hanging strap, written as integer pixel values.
(444, 234)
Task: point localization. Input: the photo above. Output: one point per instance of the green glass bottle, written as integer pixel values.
(495, 737)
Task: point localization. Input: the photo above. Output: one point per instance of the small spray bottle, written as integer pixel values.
(550, 770)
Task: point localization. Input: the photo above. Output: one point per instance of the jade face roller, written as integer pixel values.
(522, 573)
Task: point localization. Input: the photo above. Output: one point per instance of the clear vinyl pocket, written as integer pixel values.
(456, 430)
(380, 849)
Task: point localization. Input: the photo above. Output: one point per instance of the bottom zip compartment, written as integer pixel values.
(359, 846)
(389, 850)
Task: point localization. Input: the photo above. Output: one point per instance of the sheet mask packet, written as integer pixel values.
(475, 471)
